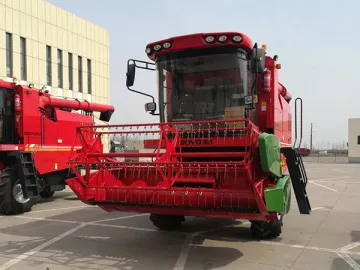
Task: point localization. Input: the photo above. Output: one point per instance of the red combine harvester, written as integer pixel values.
(222, 146)
(37, 138)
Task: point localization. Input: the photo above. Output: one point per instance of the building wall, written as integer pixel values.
(354, 140)
(42, 24)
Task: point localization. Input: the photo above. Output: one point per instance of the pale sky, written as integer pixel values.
(317, 42)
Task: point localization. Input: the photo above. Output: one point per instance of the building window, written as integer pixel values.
(80, 74)
(89, 75)
(9, 59)
(70, 71)
(48, 66)
(23, 58)
(60, 68)
(358, 139)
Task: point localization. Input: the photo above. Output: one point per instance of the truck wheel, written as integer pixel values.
(267, 229)
(167, 222)
(46, 193)
(12, 200)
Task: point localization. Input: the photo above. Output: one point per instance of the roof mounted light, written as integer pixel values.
(148, 50)
(209, 39)
(157, 47)
(167, 45)
(237, 38)
(222, 38)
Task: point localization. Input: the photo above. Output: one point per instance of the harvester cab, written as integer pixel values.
(37, 137)
(222, 143)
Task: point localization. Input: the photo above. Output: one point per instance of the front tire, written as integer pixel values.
(267, 229)
(167, 222)
(12, 200)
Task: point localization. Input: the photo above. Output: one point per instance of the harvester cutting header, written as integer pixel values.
(222, 145)
(37, 138)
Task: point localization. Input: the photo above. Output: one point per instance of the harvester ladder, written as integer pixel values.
(29, 175)
(298, 178)
(296, 167)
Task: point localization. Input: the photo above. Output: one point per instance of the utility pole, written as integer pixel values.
(311, 136)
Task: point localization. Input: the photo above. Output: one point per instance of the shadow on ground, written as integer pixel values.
(112, 248)
(355, 236)
(63, 195)
(340, 264)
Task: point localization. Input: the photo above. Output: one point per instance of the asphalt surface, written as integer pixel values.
(63, 233)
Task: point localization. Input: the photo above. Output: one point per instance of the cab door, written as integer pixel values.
(7, 116)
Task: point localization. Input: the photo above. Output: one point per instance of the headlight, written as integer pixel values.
(166, 45)
(148, 50)
(222, 38)
(209, 39)
(150, 107)
(157, 47)
(237, 38)
(248, 100)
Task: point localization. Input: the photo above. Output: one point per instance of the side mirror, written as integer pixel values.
(130, 75)
(257, 60)
(150, 107)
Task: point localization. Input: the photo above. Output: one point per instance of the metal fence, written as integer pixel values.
(327, 158)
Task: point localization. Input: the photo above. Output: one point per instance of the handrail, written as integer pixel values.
(301, 119)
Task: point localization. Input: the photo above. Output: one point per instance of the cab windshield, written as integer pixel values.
(203, 86)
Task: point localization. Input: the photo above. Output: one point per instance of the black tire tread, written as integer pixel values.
(266, 229)
(8, 205)
(46, 193)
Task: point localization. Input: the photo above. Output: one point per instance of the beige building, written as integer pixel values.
(354, 140)
(49, 46)
(46, 45)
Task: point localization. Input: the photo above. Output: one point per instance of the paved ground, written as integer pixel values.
(65, 234)
(327, 158)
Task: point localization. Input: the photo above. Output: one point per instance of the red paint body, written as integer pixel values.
(42, 127)
(230, 188)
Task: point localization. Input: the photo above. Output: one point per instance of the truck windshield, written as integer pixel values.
(203, 86)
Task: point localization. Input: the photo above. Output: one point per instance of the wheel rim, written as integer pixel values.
(280, 218)
(18, 194)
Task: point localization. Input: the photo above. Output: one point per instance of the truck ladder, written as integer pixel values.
(28, 174)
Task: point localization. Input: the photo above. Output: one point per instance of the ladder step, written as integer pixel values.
(28, 165)
(31, 181)
(30, 175)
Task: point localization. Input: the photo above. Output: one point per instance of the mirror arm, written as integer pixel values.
(147, 64)
(141, 93)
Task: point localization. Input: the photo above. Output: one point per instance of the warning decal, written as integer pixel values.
(263, 106)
